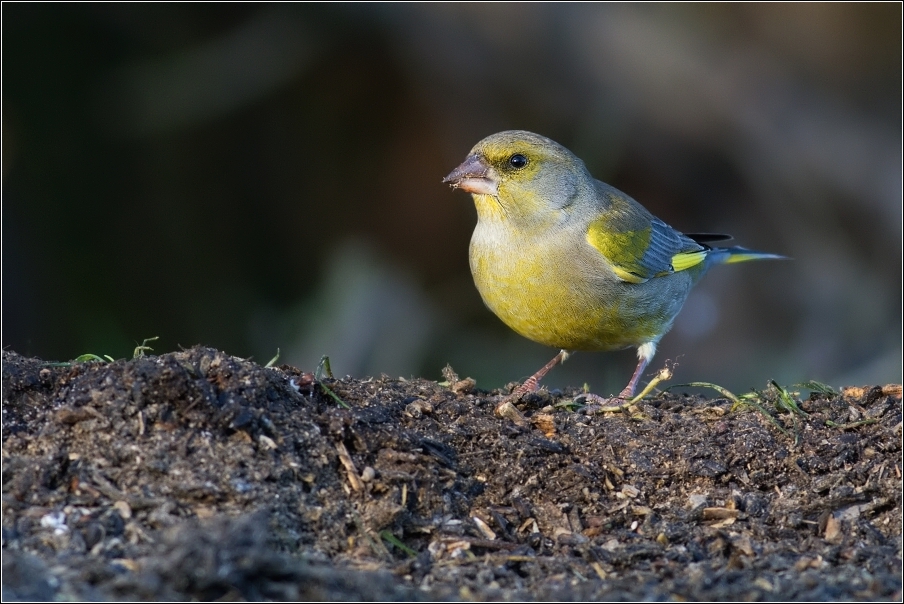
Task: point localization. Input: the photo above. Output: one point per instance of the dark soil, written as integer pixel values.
(197, 475)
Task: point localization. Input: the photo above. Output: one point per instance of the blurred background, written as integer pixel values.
(254, 177)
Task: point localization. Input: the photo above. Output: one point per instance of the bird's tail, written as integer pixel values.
(732, 255)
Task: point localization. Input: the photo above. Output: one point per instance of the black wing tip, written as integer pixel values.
(709, 237)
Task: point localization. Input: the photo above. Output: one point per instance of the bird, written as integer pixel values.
(571, 262)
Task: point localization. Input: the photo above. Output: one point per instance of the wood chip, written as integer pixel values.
(508, 411)
(205, 511)
(598, 570)
(806, 562)
(833, 529)
(719, 513)
(630, 491)
(526, 525)
(742, 544)
(545, 422)
(124, 509)
(894, 390)
(484, 528)
(464, 386)
(349, 465)
(71, 416)
(126, 563)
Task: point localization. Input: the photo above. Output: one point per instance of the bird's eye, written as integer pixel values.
(517, 161)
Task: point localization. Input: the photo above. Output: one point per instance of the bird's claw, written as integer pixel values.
(529, 385)
(595, 403)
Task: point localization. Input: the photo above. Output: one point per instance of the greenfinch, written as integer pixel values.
(571, 262)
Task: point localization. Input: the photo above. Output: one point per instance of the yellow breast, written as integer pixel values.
(557, 290)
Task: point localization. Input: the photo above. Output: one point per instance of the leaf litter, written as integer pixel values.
(198, 475)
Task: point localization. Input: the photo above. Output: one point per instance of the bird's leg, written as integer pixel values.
(533, 382)
(631, 388)
(645, 354)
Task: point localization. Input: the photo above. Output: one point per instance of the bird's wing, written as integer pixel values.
(639, 246)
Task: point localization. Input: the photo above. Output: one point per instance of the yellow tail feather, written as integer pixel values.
(733, 255)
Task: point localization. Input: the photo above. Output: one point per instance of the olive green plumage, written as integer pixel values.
(569, 261)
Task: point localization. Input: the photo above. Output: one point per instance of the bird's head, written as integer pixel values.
(519, 175)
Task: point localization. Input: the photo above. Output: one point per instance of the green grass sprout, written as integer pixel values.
(335, 397)
(272, 361)
(87, 358)
(664, 374)
(723, 391)
(323, 366)
(851, 425)
(375, 544)
(141, 348)
(819, 387)
(786, 401)
(388, 536)
(750, 399)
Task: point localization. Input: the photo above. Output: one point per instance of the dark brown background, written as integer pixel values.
(254, 177)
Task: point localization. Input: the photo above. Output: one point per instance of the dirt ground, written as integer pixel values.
(198, 475)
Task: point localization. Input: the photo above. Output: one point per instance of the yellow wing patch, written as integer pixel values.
(686, 260)
(626, 276)
(637, 253)
(623, 250)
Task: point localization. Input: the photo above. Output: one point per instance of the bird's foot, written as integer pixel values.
(531, 384)
(507, 407)
(600, 404)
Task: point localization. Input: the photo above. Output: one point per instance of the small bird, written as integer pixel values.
(571, 262)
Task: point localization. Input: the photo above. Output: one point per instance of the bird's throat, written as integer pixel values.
(488, 208)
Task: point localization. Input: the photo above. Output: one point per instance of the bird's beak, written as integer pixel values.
(473, 176)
